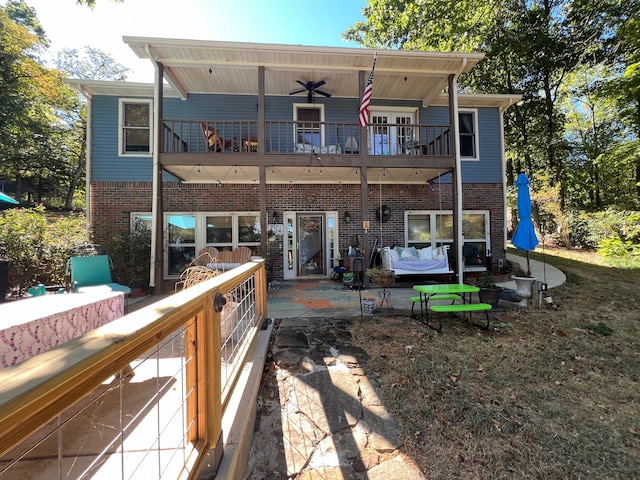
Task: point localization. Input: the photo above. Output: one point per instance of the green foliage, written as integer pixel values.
(574, 231)
(486, 281)
(601, 329)
(616, 247)
(37, 246)
(131, 256)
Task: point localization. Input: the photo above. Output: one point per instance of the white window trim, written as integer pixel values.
(435, 241)
(200, 232)
(476, 136)
(121, 152)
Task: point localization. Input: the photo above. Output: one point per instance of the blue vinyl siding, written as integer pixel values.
(489, 168)
(108, 166)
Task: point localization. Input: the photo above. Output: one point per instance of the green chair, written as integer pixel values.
(93, 275)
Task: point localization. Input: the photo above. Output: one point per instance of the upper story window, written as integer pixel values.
(308, 128)
(135, 127)
(468, 124)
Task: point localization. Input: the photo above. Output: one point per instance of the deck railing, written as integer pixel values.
(142, 396)
(282, 137)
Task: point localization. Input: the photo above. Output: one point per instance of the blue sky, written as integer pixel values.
(303, 22)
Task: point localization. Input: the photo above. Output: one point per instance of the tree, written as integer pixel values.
(42, 119)
(27, 91)
(92, 64)
(532, 47)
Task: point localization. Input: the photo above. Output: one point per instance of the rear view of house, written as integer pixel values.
(260, 145)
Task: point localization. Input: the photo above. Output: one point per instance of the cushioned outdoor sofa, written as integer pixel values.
(414, 261)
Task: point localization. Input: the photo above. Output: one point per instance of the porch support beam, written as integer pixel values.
(457, 177)
(261, 111)
(364, 207)
(155, 271)
(264, 214)
(363, 130)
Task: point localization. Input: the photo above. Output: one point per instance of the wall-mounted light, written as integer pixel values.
(274, 217)
(347, 217)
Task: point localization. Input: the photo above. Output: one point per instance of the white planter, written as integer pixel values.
(524, 288)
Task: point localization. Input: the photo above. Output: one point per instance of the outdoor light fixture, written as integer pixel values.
(347, 217)
(274, 217)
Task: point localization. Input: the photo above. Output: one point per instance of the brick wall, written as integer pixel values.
(112, 202)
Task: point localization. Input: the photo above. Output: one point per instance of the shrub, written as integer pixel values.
(38, 246)
(131, 256)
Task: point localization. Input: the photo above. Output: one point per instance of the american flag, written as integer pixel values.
(363, 116)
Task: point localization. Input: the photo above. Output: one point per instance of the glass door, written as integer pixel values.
(391, 133)
(311, 244)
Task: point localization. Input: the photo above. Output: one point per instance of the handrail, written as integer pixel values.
(42, 388)
(240, 137)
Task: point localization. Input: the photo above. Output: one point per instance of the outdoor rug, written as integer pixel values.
(312, 295)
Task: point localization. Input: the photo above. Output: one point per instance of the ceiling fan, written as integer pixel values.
(311, 88)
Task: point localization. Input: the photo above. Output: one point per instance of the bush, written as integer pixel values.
(131, 256)
(38, 247)
(590, 230)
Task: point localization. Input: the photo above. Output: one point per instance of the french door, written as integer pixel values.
(391, 133)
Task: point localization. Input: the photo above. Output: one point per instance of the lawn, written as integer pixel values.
(554, 392)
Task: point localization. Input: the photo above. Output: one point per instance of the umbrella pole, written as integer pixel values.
(528, 265)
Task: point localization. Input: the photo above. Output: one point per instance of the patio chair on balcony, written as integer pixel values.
(216, 142)
(93, 275)
(212, 138)
(351, 145)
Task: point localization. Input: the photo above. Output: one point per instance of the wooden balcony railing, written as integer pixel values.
(142, 395)
(289, 137)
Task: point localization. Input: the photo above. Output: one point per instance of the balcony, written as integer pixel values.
(241, 138)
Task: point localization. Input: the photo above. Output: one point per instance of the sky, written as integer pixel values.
(303, 22)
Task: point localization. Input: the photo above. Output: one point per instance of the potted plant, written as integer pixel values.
(489, 291)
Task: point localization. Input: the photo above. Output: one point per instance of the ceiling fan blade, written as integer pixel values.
(324, 94)
(319, 84)
(302, 83)
(298, 91)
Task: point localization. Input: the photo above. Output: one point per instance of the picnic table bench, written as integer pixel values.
(460, 307)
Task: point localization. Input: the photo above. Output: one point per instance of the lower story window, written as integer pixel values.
(435, 228)
(185, 234)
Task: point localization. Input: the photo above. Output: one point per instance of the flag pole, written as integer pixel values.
(363, 114)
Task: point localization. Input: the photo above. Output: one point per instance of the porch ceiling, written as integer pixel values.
(313, 174)
(196, 66)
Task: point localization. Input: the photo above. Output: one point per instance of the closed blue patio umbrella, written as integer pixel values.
(524, 236)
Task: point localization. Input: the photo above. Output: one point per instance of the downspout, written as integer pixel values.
(155, 270)
(87, 168)
(457, 227)
(504, 176)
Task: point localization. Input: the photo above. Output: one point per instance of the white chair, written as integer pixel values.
(351, 145)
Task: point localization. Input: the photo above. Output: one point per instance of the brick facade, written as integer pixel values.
(112, 202)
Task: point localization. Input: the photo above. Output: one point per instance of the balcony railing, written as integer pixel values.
(287, 137)
(141, 396)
